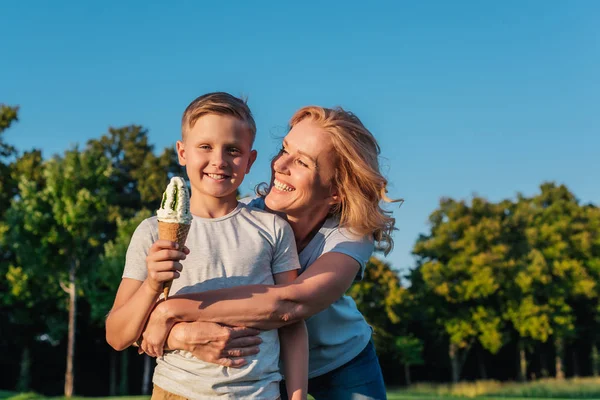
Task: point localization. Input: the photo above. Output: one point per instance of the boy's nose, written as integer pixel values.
(218, 160)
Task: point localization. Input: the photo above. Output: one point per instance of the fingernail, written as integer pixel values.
(176, 245)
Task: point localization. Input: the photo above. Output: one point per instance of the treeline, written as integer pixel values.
(505, 290)
(502, 290)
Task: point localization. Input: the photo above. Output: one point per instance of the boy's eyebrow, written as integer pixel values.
(311, 158)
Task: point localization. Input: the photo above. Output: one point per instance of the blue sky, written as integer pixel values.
(464, 97)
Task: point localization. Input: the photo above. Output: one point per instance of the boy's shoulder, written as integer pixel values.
(255, 209)
(148, 226)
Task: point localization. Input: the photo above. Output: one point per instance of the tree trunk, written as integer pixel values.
(594, 360)
(124, 382)
(558, 359)
(543, 364)
(69, 378)
(454, 362)
(25, 370)
(407, 374)
(575, 363)
(522, 361)
(147, 374)
(481, 363)
(113, 374)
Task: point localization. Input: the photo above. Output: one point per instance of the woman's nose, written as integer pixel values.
(280, 164)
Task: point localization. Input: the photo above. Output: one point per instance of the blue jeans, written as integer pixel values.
(358, 379)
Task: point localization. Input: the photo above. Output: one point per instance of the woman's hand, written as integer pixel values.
(215, 343)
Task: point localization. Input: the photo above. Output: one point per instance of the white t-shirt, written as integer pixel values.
(245, 247)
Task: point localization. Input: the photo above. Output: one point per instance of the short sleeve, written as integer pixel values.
(359, 248)
(285, 257)
(135, 259)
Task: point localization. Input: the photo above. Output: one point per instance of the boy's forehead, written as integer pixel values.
(221, 127)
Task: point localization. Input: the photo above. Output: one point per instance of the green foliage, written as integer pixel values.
(104, 280)
(409, 350)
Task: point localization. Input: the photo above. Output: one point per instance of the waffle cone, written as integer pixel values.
(176, 233)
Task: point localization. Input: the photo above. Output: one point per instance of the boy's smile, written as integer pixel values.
(217, 154)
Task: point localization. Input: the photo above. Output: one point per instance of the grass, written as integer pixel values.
(546, 389)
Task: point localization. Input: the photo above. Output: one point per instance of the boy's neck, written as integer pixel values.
(204, 206)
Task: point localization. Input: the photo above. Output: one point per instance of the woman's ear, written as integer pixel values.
(334, 197)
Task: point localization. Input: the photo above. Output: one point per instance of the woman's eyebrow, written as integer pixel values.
(311, 158)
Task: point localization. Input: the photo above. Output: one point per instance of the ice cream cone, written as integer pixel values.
(175, 233)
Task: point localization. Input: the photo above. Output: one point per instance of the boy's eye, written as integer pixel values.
(233, 150)
(204, 147)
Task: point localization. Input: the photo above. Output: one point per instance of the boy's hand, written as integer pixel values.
(163, 263)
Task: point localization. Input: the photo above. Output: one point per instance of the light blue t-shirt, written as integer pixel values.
(339, 333)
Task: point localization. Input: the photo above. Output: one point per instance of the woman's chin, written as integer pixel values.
(277, 201)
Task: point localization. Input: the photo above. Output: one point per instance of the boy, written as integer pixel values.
(230, 244)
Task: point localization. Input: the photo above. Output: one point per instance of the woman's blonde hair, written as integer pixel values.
(360, 185)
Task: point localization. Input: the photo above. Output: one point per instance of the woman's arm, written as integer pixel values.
(257, 306)
(294, 350)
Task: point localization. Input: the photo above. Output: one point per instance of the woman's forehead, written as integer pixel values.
(308, 137)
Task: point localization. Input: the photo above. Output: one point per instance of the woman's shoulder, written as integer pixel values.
(332, 231)
(254, 201)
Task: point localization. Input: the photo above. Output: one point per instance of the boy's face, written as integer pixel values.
(217, 154)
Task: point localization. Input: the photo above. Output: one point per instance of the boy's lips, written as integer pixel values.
(217, 177)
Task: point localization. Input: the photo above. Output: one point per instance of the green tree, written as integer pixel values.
(409, 352)
(460, 262)
(377, 296)
(67, 219)
(554, 237)
(139, 177)
(8, 115)
(101, 288)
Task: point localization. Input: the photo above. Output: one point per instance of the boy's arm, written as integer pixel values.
(135, 299)
(294, 349)
(132, 306)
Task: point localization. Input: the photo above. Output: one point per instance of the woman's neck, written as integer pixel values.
(305, 227)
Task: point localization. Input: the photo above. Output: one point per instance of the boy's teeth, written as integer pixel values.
(282, 186)
(216, 176)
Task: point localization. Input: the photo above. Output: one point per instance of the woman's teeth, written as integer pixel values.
(217, 176)
(282, 186)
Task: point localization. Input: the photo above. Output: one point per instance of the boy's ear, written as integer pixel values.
(251, 159)
(180, 153)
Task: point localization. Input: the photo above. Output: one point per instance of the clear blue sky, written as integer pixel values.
(464, 96)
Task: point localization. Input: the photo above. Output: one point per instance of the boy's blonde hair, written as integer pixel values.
(358, 181)
(219, 103)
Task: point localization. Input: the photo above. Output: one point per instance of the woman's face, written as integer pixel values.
(303, 172)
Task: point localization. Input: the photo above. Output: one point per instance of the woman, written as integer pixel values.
(327, 184)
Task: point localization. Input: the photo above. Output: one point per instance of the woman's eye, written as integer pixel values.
(283, 150)
(302, 163)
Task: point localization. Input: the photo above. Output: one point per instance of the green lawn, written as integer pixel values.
(392, 395)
